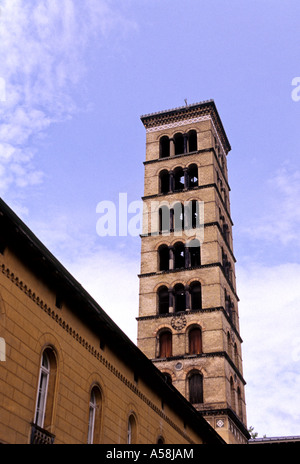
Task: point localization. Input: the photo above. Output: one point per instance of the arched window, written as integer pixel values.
(131, 430)
(178, 179)
(229, 346)
(164, 180)
(94, 415)
(164, 219)
(165, 344)
(179, 144)
(168, 378)
(46, 390)
(178, 217)
(163, 253)
(164, 147)
(180, 298)
(194, 253)
(163, 300)
(160, 441)
(195, 388)
(179, 255)
(236, 356)
(193, 176)
(195, 292)
(240, 403)
(195, 341)
(192, 140)
(232, 394)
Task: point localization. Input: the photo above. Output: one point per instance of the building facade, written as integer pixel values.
(68, 374)
(188, 322)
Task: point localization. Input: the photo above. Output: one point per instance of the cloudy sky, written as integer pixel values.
(75, 77)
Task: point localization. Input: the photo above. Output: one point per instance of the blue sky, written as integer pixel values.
(75, 77)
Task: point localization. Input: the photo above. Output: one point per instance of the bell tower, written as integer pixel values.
(188, 322)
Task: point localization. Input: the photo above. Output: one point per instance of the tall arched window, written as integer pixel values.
(163, 253)
(193, 176)
(94, 415)
(180, 298)
(163, 300)
(192, 140)
(240, 403)
(195, 292)
(46, 390)
(165, 344)
(178, 216)
(179, 255)
(164, 147)
(232, 393)
(164, 219)
(194, 253)
(195, 341)
(131, 430)
(164, 182)
(179, 144)
(178, 179)
(195, 382)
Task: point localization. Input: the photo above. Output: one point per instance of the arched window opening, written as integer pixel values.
(164, 147)
(131, 431)
(240, 403)
(236, 356)
(195, 292)
(168, 378)
(180, 298)
(196, 388)
(164, 179)
(195, 341)
(192, 140)
(229, 346)
(46, 390)
(232, 394)
(179, 256)
(160, 441)
(164, 219)
(163, 300)
(94, 416)
(165, 344)
(163, 253)
(194, 253)
(178, 217)
(178, 180)
(193, 176)
(179, 144)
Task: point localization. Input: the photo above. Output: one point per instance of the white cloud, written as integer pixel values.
(270, 321)
(281, 222)
(43, 45)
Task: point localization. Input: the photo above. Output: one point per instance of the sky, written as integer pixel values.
(75, 77)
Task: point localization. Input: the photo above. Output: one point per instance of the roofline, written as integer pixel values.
(156, 118)
(93, 312)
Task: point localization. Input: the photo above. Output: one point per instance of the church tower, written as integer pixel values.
(188, 322)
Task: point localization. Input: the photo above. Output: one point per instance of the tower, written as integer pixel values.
(188, 322)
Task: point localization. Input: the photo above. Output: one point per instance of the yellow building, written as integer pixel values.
(68, 374)
(188, 322)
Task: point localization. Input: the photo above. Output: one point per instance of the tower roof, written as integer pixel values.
(195, 110)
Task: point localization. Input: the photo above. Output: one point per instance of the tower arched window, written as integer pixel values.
(165, 344)
(164, 182)
(163, 254)
(193, 176)
(164, 219)
(179, 143)
(180, 298)
(195, 382)
(179, 255)
(46, 390)
(178, 217)
(164, 147)
(196, 298)
(192, 141)
(240, 403)
(194, 253)
(94, 415)
(178, 179)
(195, 341)
(232, 394)
(163, 300)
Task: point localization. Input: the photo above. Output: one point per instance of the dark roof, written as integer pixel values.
(16, 235)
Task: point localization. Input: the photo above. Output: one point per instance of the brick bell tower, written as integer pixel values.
(188, 322)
